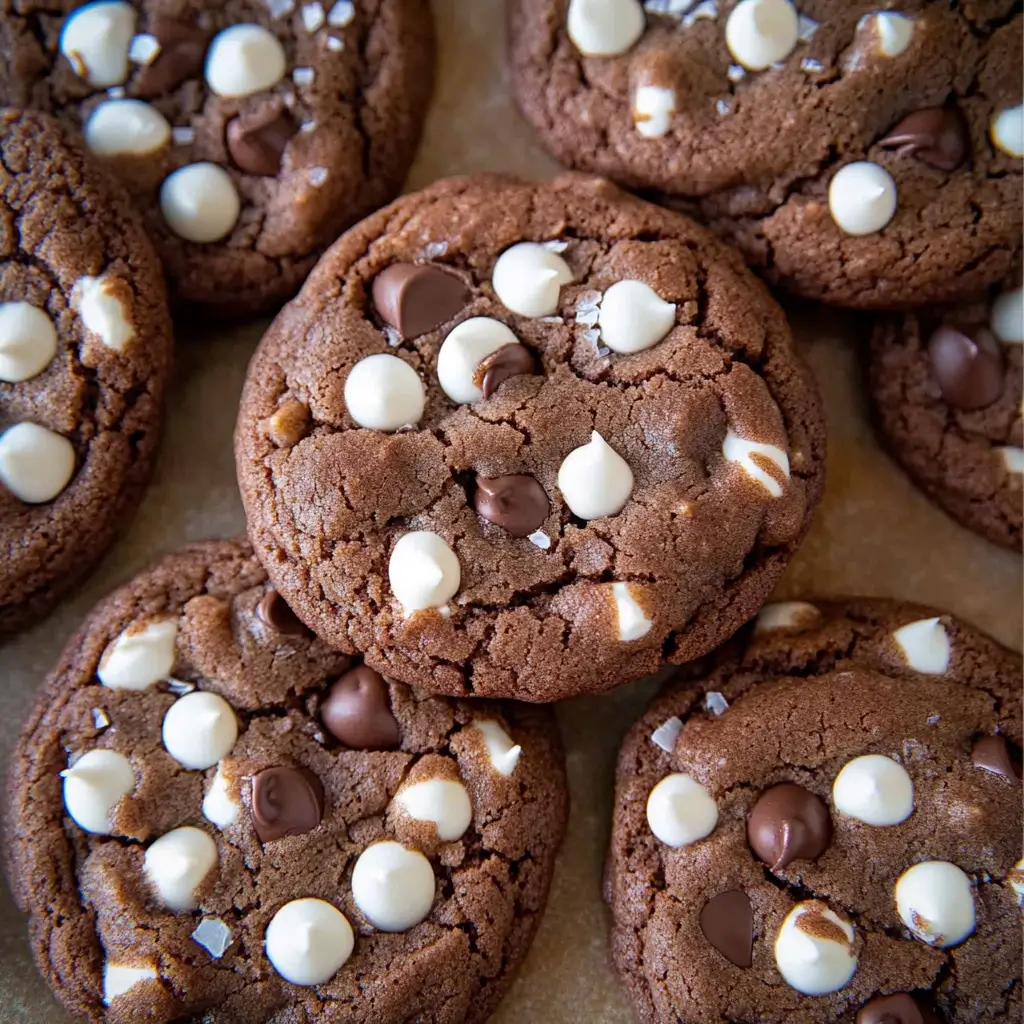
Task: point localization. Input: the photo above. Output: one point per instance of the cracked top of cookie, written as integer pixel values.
(857, 154)
(528, 440)
(823, 824)
(213, 812)
(85, 350)
(250, 132)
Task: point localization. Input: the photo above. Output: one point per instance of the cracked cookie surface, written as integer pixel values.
(672, 108)
(204, 622)
(814, 690)
(85, 352)
(677, 473)
(247, 154)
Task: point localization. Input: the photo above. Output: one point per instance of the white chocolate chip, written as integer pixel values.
(760, 33)
(862, 198)
(1013, 459)
(28, 341)
(176, 864)
(383, 392)
(605, 28)
(892, 30)
(1006, 320)
(313, 17)
(199, 729)
(200, 203)
(445, 802)
(935, 900)
(528, 279)
(93, 787)
(308, 941)
(595, 480)
(667, 733)
(244, 59)
(787, 615)
(341, 14)
(36, 464)
(423, 571)
(96, 38)
(632, 621)
(120, 978)
(138, 658)
(1007, 131)
(925, 646)
(814, 949)
(634, 317)
(653, 107)
(680, 811)
(393, 886)
(739, 450)
(502, 752)
(102, 310)
(213, 935)
(874, 789)
(219, 806)
(126, 128)
(464, 349)
(144, 49)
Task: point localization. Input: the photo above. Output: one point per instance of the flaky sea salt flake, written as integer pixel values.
(667, 733)
(805, 28)
(116, 92)
(433, 250)
(144, 49)
(556, 245)
(317, 176)
(715, 703)
(391, 336)
(736, 73)
(810, 65)
(183, 135)
(334, 44)
(313, 17)
(673, 7)
(303, 77)
(213, 935)
(341, 14)
(706, 11)
(180, 688)
(540, 539)
(279, 8)
(100, 719)
(723, 107)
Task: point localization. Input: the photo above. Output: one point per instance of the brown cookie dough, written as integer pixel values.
(85, 352)
(946, 387)
(822, 824)
(754, 110)
(648, 458)
(251, 133)
(247, 844)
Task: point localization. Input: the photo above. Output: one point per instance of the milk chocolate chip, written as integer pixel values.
(357, 711)
(273, 610)
(788, 822)
(257, 141)
(969, 370)
(508, 361)
(992, 754)
(415, 298)
(286, 801)
(181, 56)
(895, 1009)
(517, 503)
(936, 136)
(727, 922)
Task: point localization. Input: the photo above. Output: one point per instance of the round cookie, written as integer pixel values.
(946, 387)
(823, 824)
(858, 155)
(211, 810)
(251, 133)
(85, 352)
(528, 441)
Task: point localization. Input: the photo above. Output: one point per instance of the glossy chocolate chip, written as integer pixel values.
(257, 141)
(181, 57)
(415, 298)
(517, 503)
(788, 822)
(937, 136)
(509, 361)
(992, 753)
(727, 922)
(357, 711)
(899, 1008)
(273, 610)
(969, 370)
(286, 801)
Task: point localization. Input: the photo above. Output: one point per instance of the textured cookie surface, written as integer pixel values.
(85, 350)
(647, 461)
(946, 387)
(250, 132)
(888, 865)
(430, 826)
(668, 96)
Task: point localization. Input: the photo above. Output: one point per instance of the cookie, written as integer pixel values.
(85, 352)
(213, 815)
(861, 156)
(251, 133)
(528, 440)
(823, 825)
(946, 387)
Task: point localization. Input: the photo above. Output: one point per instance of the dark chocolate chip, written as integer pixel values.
(727, 922)
(181, 57)
(508, 361)
(273, 610)
(895, 1009)
(517, 503)
(286, 801)
(937, 136)
(993, 755)
(415, 298)
(357, 711)
(969, 370)
(257, 141)
(788, 822)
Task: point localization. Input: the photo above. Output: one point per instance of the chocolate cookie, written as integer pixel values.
(250, 132)
(861, 156)
(823, 825)
(528, 440)
(214, 815)
(85, 351)
(946, 387)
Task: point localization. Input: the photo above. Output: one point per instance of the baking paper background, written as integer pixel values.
(875, 535)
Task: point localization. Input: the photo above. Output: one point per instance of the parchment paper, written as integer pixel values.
(875, 535)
